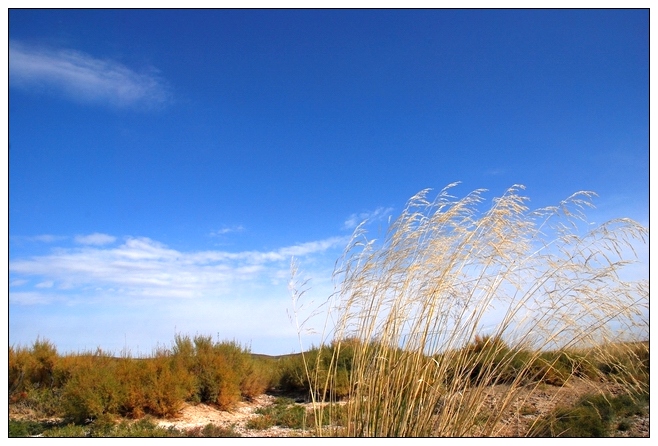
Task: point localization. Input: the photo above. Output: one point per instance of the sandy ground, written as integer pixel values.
(202, 414)
(528, 406)
(512, 424)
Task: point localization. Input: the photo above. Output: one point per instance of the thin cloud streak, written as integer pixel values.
(42, 238)
(144, 268)
(30, 298)
(227, 230)
(377, 215)
(82, 77)
(95, 239)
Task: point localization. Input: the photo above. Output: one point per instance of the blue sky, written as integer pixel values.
(165, 165)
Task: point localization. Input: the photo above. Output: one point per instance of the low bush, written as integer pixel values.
(210, 431)
(326, 370)
(93, 389)
(70, 430)
(24, 428)
(143, 428)
(33, 367)
(292, 376)
(282, 413)
(592, 416)
(224, 372)
(157, 386)
(85, 386)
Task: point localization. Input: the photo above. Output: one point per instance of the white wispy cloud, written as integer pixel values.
(95, 239)
(30, 298)
(83, 77)
(144, 268)
(18, 282)
(227, 230)
(377, 215)
(46, 284)
(42, 238)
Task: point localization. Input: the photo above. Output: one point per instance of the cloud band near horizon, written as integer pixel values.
(143, 268)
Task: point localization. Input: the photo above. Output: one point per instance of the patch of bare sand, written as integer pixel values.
(199, 415)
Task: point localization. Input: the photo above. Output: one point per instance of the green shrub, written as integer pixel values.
(624, 425)
(23, 428)
(217, 370)
(578, 364)
(103, 426)
(68, 431)
(19, 367)
(282, 413)
(45, 355)
(143, 428)
(334, 414)
(223, 372)
(261, 422)
(156, 386)
(591, 416)
(582, 420)
(44, 402)
(627, 405)
(292, 374)
(85, 386)
(325, 369)
(93, 389)
(257, 377)
(211, 431)
(32, 367)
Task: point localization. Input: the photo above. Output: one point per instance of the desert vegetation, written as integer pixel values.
(54, 402)
(456, 298)
(453, 301)
(88, 386)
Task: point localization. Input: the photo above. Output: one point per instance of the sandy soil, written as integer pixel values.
(202, 414)
(512, 424)
(529, 406)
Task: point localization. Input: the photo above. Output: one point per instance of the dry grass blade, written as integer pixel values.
(414, 304)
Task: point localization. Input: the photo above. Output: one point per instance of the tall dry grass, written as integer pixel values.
(457, 297)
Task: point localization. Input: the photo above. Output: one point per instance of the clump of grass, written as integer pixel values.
(26, 428)
(106, 427)
(591, 416)
(210, 431)
(284, 412)
(412, 304)
(70, 430)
